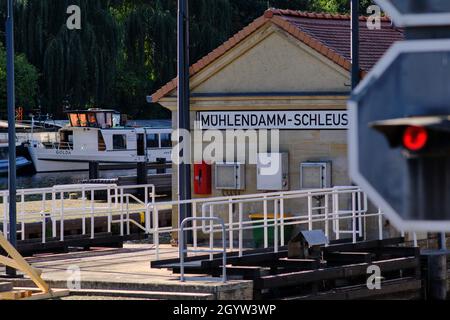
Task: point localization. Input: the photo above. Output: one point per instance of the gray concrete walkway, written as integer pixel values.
(129, 269)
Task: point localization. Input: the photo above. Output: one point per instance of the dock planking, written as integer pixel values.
(340, 274)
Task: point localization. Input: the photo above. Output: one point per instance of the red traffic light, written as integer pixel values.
(415, 138)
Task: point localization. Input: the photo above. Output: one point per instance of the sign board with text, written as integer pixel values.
(282, 120)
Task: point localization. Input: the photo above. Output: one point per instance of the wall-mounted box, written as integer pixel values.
(315, 175)
(230, 176)
(273, 172)
(202, 178)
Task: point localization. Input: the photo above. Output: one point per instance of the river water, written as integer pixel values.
(42, 180)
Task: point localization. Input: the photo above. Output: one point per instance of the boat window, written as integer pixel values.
(116, 120)
(83, 119)
(74, 122)
(152, 140)
(119, 141)
(109, 121)
(101, 142)
(166, 140)
(92, 120)
(101, 119)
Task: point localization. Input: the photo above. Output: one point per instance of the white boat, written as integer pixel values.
(99, 135)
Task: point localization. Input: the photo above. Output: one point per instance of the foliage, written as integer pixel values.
(126, 49)
(26, 79)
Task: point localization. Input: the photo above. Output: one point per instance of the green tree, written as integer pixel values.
(76, 64)
(127, 49)
(338, 6)
(26, 81)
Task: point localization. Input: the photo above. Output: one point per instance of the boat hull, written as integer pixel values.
(21, 163)
(50, 161)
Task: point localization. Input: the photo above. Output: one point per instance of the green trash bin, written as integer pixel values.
(258, 233)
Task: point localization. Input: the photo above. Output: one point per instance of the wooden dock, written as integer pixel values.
(341, 275)
(126, 273)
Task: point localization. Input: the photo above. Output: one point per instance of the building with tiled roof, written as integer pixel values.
(291, 71)
(328, 34)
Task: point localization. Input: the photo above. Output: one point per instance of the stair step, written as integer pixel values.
(6, 286)
(155, 295)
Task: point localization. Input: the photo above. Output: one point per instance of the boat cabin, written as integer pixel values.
(102, 135)
(96, 118)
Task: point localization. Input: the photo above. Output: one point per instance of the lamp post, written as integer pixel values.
(11, 128)
(355, 42)
(184, 168)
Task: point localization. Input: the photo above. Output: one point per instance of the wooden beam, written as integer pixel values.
(10, 295)
(348, 257)
(300, 264)
(163, 263)
(348, 271)
(364, 245)
(53, 293)
(9, 262)
(255, 259)
(407, 287)
(23, 265)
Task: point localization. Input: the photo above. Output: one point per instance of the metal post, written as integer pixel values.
(93, 170)
(11, 129)
(355, 43)
(184, 169)
(141, 171)
(437, 275)
(442, 241)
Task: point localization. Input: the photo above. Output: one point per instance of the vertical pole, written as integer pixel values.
(11, 129)
(437, 276)
(355, 42)
(442, 241)
(355, 47)
(93, 170)
(184, 169)
(142, 178)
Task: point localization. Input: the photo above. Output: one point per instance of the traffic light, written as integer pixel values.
(425, 144)
(403, 164)
(427, 136)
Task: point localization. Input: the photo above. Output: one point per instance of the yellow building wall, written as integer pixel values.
(273, 61)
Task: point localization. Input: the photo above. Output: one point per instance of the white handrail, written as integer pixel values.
(330, 213)
(62, 209)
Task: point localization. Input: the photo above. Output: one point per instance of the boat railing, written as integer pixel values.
(57, 145)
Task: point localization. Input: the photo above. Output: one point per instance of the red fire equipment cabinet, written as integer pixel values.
(202, 178)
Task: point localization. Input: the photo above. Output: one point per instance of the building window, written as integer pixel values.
(166, 140)
(152, 140)
(119, 141)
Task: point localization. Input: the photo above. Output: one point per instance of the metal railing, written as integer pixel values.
(339, 211)
(83, 202)
(211, 251)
